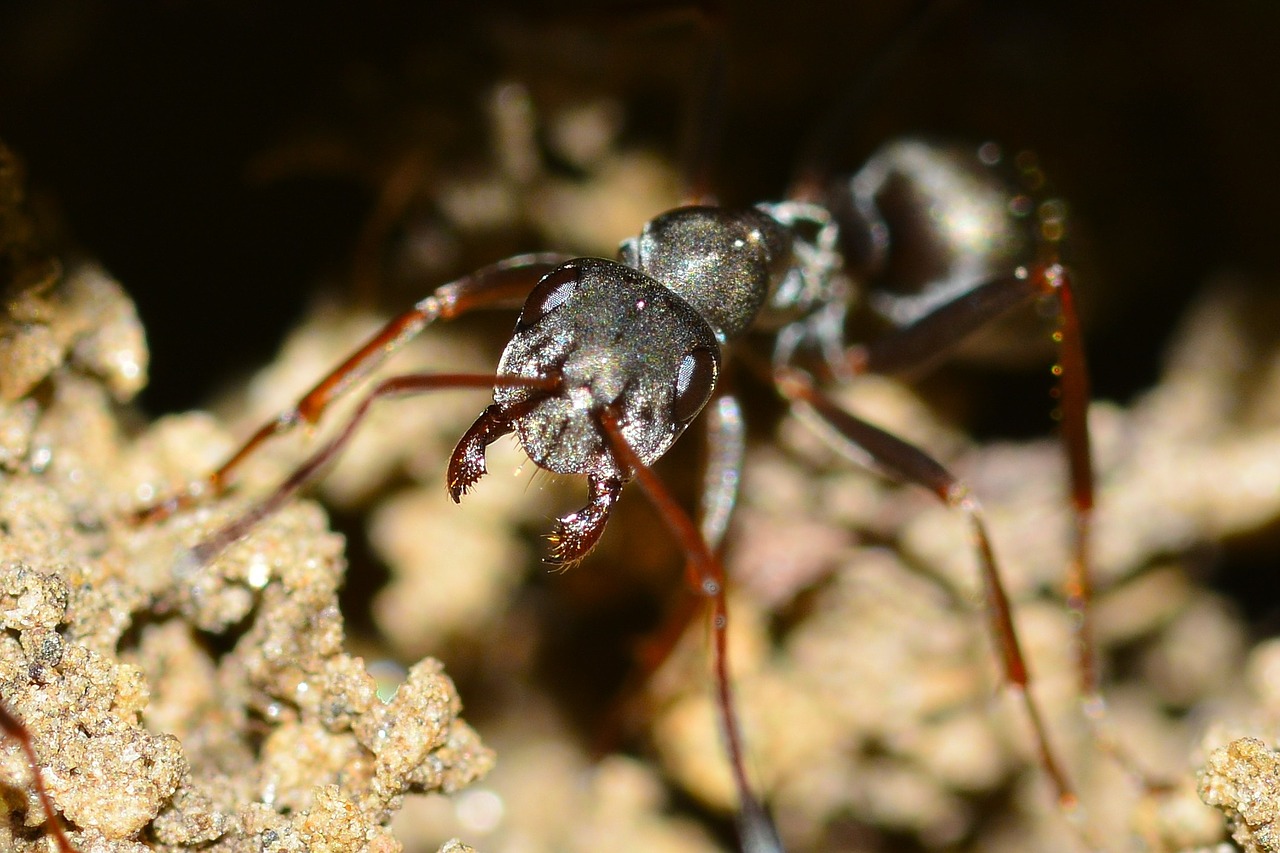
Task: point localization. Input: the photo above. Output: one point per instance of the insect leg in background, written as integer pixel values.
(945, 207)
(13, 729)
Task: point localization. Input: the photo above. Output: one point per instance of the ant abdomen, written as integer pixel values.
(926, 222)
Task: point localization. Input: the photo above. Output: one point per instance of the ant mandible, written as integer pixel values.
(610, 361)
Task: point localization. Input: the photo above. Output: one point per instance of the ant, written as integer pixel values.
(611, 360)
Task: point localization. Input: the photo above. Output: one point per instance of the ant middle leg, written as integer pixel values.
(908, 463)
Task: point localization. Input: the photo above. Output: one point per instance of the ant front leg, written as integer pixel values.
(707, 578)
(722, 476)
(13, 729)
(502, 284)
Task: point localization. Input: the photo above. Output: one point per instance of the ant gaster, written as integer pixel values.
(611, 360)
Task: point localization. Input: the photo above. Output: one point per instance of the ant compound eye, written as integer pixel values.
(549, 294)
(695, 380)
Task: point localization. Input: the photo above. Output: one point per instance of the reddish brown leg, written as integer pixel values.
(1073, 394)
(726, 449)
(396, 386)
(912, 465)
(1073, 400)
(503, 284)
(12, 728)
(707, 578)
(915, 348)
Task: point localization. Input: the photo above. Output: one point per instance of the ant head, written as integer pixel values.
(617, 338)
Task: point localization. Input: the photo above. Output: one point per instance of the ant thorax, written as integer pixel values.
(761, 267)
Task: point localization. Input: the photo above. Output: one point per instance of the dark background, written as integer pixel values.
(142, 124)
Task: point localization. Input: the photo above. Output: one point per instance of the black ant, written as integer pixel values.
(610, 361)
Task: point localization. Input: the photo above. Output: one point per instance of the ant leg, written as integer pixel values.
(908, 463)
(726, 448)
(1073, 397)
(707, 578)
(504, 283)
(919, 346)
(12, 728)
(397, 386)
(721, 477)
(915, 348)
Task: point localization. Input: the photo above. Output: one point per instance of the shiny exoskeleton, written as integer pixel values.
(642, 336)
(610, 361)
